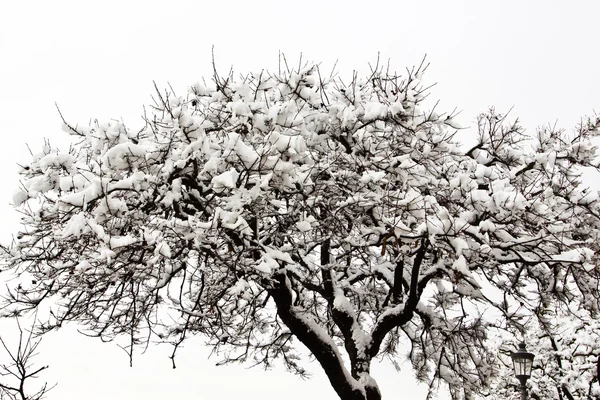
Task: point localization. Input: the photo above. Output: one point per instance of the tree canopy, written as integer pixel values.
(269, 209)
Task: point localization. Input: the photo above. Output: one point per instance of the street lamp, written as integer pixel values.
(522, 363)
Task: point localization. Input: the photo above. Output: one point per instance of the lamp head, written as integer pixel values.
(522, 362)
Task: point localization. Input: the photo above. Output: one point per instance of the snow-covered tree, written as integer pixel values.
(567, 349)
(289, 207)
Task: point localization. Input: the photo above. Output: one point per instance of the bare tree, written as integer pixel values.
(17, 369)
(276, 208)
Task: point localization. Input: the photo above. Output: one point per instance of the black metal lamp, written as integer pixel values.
(522, 363)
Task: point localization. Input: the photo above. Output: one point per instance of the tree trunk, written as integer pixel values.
(361, 371)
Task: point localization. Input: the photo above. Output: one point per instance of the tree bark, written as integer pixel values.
(325, 351)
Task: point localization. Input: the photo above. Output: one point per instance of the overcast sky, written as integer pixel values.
(98, 60)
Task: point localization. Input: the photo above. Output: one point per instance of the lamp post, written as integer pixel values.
(522, 363)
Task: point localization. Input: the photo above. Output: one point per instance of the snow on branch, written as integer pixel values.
(294, 206)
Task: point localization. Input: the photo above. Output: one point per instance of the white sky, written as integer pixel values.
(98, 60)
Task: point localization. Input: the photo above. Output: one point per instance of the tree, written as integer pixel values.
(292, 207)
(567, 362)
(16, 375)
(566, 340)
